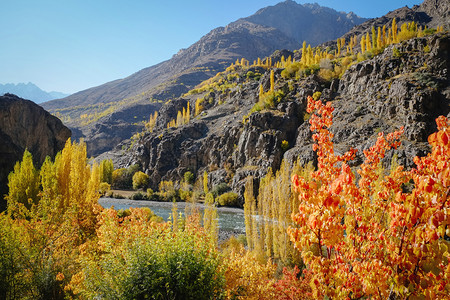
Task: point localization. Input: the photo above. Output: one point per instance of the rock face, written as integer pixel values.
(408, 86)
(439, 10)
(25, 125)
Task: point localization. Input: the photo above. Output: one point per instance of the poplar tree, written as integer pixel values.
(394, 31)
(249, 203)
(106, 170)
(303, 58)
(374, 37)
(379, 40)
(272, 80)
(368, 44)
(23, 183)
(205, 182)
(363, 44)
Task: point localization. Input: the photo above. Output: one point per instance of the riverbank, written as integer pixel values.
(231, 220)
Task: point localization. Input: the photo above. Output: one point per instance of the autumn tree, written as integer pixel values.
(374, 238)
(106, 170)
(23, 183)
(140, 180)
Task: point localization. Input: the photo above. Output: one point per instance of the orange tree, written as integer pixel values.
(382, 236)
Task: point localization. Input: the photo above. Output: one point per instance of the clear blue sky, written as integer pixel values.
(71, 45)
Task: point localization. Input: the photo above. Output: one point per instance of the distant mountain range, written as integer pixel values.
(30, 91)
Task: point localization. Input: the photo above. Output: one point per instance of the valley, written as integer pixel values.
(298, 153)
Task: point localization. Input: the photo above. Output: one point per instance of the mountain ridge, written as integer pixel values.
(30, 91)
(170, 79)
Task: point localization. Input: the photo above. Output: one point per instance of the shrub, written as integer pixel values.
(140, 259)
(138, 196)
(189, 177)
(316, 95)
(228, 199)
(284, 145)
(220, 189)
(103, 188)
(123, 178)
(396, 53)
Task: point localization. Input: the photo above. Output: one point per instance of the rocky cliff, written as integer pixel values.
(26, 125)
(406, 85)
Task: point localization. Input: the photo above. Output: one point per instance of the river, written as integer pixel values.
(231, 220)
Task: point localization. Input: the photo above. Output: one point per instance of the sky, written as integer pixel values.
(71, 45)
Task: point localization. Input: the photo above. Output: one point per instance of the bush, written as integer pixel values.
(138, 196)
(122, 178)
(141, 259)
(103, 188)
(220, 189)
(228, 199)
(140, 180)
(189, 177)
(284, 145)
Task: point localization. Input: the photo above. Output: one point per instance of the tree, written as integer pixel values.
(368, 44)
(23, 183)
(205, 182)
(394, 31)
(375, 238)
(140, 180)
(189, 177)
(106, 170)
(374, 37)
(363, 43)
(272, 80)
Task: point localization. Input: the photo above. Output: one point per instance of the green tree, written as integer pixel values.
(106, 170)
(140, 180)
(189, 177)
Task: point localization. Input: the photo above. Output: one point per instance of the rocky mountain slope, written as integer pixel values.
(317, 23)
(406, 85)
(26, 125)
(430, 13)
(30, 91)
(283, 26)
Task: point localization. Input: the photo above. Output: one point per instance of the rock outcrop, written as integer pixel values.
(26, 125)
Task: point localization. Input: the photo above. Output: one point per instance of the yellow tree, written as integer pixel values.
(249, 213)
(272, 80)
(374, 37)
(379, 40)
(363, 44)
(368, 44)
(394, 31)
(23, 184)
(205, 182)
(303, 59)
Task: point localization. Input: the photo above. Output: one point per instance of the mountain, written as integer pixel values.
(26, 125)
(30, 91)
(90, 111)
(308, 22)
(235, 136)
(430, 13)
